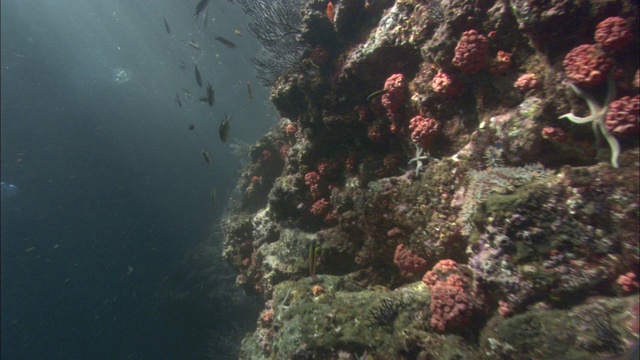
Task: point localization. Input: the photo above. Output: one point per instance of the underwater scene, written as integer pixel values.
(313, 179)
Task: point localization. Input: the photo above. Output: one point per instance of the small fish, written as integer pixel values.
(191, 127)
(210, 97)
(30, 249)
(206, 18)
(198, 77)
(204, 99)
(223, 131)
(376, 94)
(166, 26)
(206, 156)
(330, 12)
(213, 197)
(313, 255)
(249, 90)
(178, 100)
(226, 42)
(202, 5)
(193, 44)
(237, 32)
(183, 65)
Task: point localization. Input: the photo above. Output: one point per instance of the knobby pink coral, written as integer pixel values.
(423, 130)
(586, 65)
(471, 52)
(613, 33)
(622, 117)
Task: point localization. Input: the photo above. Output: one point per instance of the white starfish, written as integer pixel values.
(597, 117)
(419, 158)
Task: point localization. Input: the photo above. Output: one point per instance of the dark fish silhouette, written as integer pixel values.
(223, 131)
(178, 100)
(226, 42)
(210, 98)
(206, 156)
(202, 5)
(166, 26)
(191, 126)
(249, 91)
(183, 65)
(198, 77)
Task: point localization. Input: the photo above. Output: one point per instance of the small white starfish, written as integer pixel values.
(597, 117)
(419, 158)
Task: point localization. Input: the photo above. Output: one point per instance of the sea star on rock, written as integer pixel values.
(419, 158)
(597, 117)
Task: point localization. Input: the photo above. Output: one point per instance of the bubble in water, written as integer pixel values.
(121, 75)
(9, 190)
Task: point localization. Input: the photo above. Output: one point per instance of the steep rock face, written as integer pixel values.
(541, 225)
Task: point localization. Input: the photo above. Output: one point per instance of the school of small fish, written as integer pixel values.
(209, 97)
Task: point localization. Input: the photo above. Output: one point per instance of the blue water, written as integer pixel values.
(102, 245)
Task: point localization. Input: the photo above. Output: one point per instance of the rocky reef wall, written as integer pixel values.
(450, 179)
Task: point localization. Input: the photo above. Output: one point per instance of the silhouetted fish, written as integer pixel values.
(223, 131)
(206, 156)
(202, 4)
(198, 77)
(166, 26)
(210, 98)
(249, 90)
(226, 42)
(178, 100)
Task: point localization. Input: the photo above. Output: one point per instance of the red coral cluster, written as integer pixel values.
(613, 33)
(284, 151)
(586, 65)
(375, 134)
(451, 297)
(501, 63)
(423, 130)
(321, 207)
(471, 52)
(446, 85)
(555, 134)
(628, 282)
(312, 180)
(351, 163)
(363, 113)
(408, 263)
(393, 99)
(622, 117)
(526, 82)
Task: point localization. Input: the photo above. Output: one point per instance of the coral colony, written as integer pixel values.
(521, 241)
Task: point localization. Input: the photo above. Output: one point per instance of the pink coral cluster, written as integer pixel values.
(393, 99)
(501, 63)
(555, 134)
(526, 82)
(327, 168)
(446, 85)
(312, 180)
(622, 117)
(504, 309)
(423, 130)
(613, 33)
(408, 263)
(586, 65)
(628, 282)
(451, 297)
(471, 52)
(321, 207)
